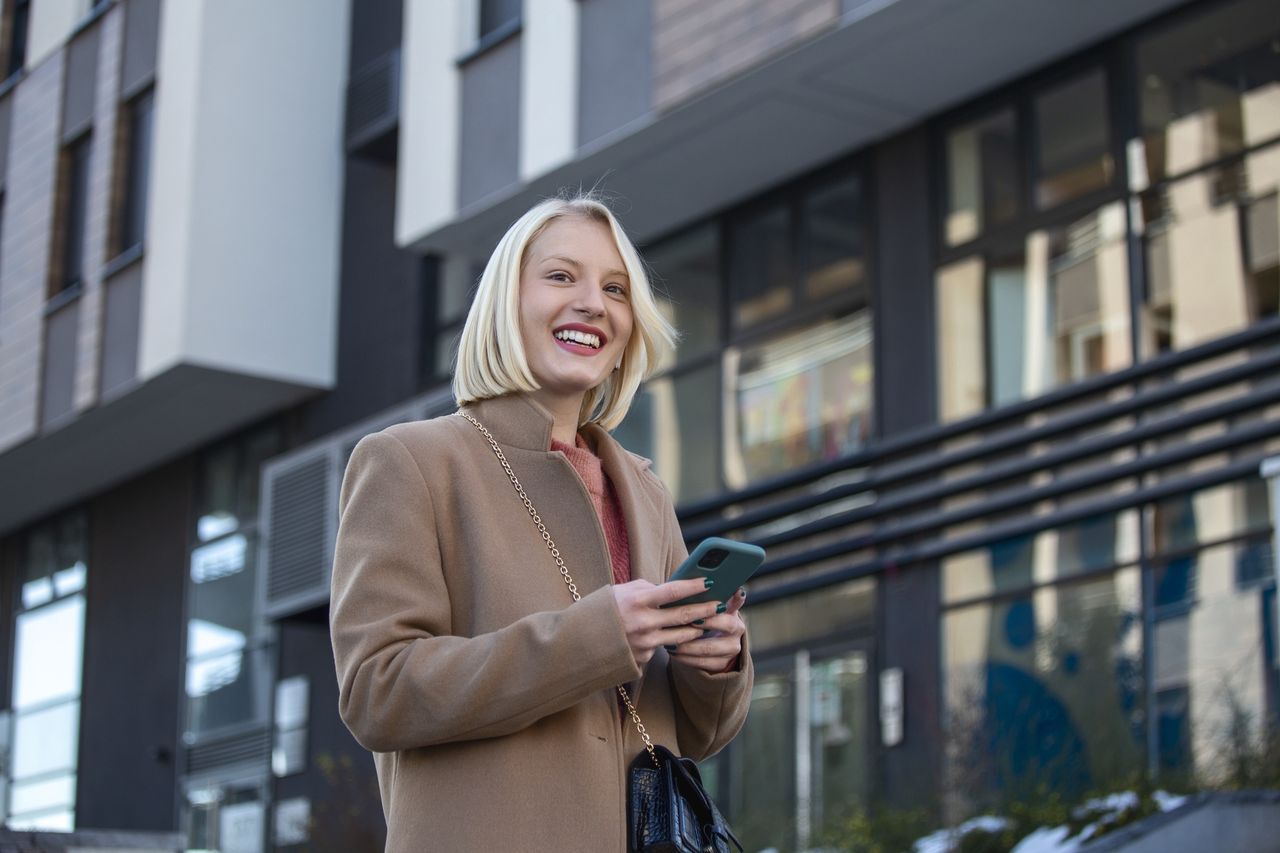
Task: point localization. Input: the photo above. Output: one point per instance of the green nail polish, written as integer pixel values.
(720, 608)
(699, 621)
(708, 583)
(670, 648)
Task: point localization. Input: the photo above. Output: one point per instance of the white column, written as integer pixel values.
(430, 115)
(548, 86)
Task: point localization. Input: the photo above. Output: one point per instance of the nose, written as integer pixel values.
(589, 301)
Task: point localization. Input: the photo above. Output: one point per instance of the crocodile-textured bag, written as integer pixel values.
(668, 810)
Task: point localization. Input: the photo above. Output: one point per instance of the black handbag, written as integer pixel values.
(668, 810)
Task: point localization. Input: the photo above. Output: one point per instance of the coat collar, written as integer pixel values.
(515, 420)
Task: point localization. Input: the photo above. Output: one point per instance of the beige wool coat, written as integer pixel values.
(484, 692)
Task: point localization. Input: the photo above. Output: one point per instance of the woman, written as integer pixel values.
(486, 695)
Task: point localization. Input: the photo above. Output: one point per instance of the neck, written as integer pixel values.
(564, 414)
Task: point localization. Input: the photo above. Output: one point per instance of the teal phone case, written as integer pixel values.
(730, 573)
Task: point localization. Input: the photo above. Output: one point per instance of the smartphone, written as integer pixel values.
(725, 561)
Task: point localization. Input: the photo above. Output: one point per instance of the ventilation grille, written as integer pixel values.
(373, 101)
(297, 552)
(247, 748)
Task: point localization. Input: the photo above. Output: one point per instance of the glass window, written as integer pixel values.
(674, 420)
(226, 685)
(801, 397)
(75, 178)
(1218, 225)
(761, 266)
(495, 14)
(1213, 658)
(1046, 689)
(1209, 87)
(133, 223)
(1056, 312)
(833, 241)
(222, 585)
(1073, 140)
(687, 288)
(292, 712)
(790, 621)
(763, 801)
(39, 773)
(227, 817)
(983, 164)
(17, 35)
(1209, 515)
(1099, 542)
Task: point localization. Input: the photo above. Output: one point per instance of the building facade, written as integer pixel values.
(979, 311)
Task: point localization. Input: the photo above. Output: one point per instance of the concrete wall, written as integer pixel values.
(697, 43)
(246, 189)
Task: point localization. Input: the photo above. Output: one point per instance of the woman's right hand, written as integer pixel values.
(648, 626)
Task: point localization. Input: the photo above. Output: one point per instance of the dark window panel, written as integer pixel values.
(133, 223)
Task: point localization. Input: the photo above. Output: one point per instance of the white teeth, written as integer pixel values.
(577, 337)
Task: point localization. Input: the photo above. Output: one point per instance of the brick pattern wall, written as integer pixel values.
(24, 246)
(102, 164)
(697, 43)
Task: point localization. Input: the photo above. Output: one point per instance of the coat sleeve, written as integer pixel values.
(709, 709)
(404, 679)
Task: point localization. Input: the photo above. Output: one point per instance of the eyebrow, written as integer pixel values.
(568, 260)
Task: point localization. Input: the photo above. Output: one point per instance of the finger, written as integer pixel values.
(739, 598)
(710, 647)
(673, 591)
(677, 637)
(728, 623)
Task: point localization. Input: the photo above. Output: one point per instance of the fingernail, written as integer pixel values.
(708, 583)
(698, 621)
(720, 608)
(742, 591)
(670, 648)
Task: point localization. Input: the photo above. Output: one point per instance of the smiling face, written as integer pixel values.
(575, 309)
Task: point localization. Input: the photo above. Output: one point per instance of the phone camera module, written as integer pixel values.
(713, 558)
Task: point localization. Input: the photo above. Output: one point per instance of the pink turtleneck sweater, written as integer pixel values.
(605, 500)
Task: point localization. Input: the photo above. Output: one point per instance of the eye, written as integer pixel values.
(616, 289)
(559, 275)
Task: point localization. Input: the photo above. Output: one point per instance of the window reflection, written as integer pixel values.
(687, 287)
(1073, 140)
(1046, 689)
(982, 176)
(800, 398)
(228, 817)
(228, 687)
(1095, 543)
(1210, 87)
(834, 245)
(761, 269)
(674, 420)
(1213, 657)
(1213, 252)
(1056, 312)
(763, 804)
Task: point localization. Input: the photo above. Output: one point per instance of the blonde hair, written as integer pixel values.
(491, 357)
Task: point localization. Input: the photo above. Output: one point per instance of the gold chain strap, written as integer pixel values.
(564, 570)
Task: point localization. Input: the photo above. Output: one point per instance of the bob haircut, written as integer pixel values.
(491, 357)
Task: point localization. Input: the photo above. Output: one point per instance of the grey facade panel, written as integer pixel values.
(59, 374)
(141, 31)
(133, 666)
(490, 123)
(6, 112)
(82, 75)
(615, 65)
(906, 363)
(120, 325)
(24, 247)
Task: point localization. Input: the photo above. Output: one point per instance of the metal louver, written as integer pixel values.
(373, 101)
(298, 498)
(298, 517)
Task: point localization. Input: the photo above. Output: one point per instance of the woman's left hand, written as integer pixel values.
(716, 651)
